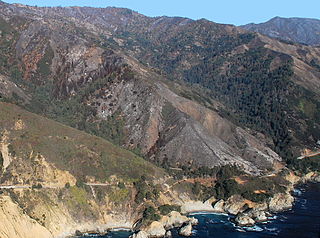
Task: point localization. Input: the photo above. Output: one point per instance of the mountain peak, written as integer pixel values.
(295, 29)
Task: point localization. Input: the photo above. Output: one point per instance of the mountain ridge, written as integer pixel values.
(294, 29)
(109, 117)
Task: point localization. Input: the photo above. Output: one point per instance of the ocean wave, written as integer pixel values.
(273, 217)
(207, 213)
(297, 192)
(120, 229)
(241, 230)
(254, 228)
(214, 221)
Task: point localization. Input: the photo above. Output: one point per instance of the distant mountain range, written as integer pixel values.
(300, 30)
(107, 115)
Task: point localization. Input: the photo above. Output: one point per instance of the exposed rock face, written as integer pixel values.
(244, 220)
(186, 230)
(174, 219)
(16, 224)
(258, 216)
(168, 234)
(219, 206)
(280, 202)
(234, 204)
(260, 207)
(140, 234)
(156, 229)
(193, 206)
(317, 179)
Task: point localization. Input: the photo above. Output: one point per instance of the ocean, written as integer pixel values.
(303, 221)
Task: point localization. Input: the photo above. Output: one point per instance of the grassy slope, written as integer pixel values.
(70, 149)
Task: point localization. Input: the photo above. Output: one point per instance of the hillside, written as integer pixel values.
(56, 171)
(107, 115)
(152, 84)
(299, 30)
(93, 84)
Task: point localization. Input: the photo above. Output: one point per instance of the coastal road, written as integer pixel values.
(309, 155)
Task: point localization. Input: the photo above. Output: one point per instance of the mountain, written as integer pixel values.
(114, 112)
(178, 91)
(299, 30)
(55, 161)
(82, 77)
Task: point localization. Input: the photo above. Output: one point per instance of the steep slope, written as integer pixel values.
(106, 71)
(48, 164)
(299, 30)
(94, 85)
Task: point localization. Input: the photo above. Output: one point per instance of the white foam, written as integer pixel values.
(207, 213)
(254, 228)
(297, 192)
(120, 229)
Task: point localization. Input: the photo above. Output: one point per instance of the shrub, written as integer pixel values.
(121, 185)
(1, 161)
(166, 209)
(80, 184)
(150, 214)
(37, 186)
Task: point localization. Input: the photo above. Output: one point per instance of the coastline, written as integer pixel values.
(295, 181)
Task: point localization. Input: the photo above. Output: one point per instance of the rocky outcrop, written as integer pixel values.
(219, 206)
(156, 229)
(192, 206)
(186, 230)
(280, 202)
(258, 216)
(168, 234)
(173, 219)
(140, 234)
(235, 204)
(244, 220)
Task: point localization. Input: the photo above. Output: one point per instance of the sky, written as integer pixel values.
(237, 12)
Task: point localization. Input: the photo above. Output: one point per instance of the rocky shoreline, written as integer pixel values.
(246, 213)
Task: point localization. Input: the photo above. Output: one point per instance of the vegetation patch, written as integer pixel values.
(119, 195)
(166, 209)
(72, 150)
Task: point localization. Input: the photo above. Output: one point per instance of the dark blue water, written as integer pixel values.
(303, 221)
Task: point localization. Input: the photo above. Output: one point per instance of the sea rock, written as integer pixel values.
(186, 230)
(174, 219)
(235, 204)
(219, 206)
(193, 221)
(244, 220)
(140, 234)
(168, 234)
(309, 177)
(156, 229)
(317, 179)
(280, 202)
(258, 216)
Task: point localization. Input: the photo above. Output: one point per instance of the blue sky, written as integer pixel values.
(222, 11)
